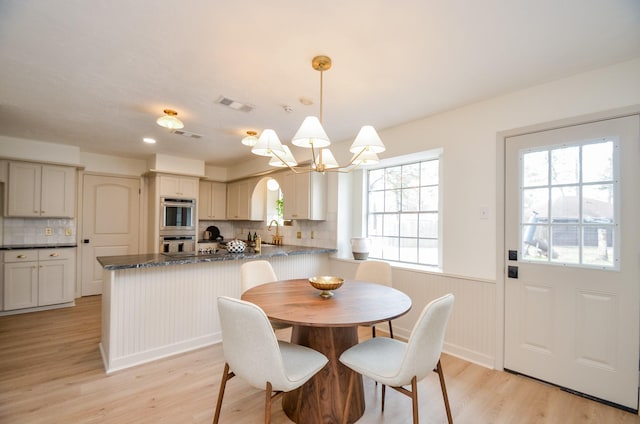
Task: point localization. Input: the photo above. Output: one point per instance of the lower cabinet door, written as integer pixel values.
(20, 285)
(53, 282)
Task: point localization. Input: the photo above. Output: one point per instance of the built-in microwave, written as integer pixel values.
(177, 216)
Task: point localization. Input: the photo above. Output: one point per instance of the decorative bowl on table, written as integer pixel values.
(236, 246)
(326, 283)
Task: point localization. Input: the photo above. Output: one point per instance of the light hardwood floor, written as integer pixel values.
(51, 372)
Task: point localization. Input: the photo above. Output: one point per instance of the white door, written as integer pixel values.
(572, 218)
(110, 224)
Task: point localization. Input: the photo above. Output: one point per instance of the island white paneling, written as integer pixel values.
(154, 312)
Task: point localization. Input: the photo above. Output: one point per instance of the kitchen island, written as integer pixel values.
(157, 305)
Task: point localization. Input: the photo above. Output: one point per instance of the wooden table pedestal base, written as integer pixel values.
(333, 378)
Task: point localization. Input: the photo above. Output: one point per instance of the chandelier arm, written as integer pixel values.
(313, 156)
(273, 153)
(353, 159)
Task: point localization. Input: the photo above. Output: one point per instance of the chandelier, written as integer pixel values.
(311, 135)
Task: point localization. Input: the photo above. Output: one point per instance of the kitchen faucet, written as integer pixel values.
(277, 238)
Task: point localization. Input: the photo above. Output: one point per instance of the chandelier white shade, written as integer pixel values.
(311, 135)
(268, 142)
(169, 120)
(283, 160)
(367, 139)
(366, 157)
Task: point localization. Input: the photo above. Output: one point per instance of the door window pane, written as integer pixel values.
(569, 217)
(565, 165)
(535, 169)
(565, 204)
(597, 159)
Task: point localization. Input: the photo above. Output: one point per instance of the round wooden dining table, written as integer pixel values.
(330, 326)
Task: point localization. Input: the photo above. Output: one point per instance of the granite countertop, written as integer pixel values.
(179, 258)
(37, 246)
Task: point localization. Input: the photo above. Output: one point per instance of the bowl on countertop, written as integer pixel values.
(236, 246)
(326, 283)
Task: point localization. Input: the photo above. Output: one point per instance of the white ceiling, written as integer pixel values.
(97, 74)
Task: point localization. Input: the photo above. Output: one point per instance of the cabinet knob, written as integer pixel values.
(21, 256)
(53, 255)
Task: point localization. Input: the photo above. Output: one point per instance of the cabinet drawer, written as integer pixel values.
(55, 254)
(25, 255)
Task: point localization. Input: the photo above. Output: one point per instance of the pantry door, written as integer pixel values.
(572, 276)
(110, 224)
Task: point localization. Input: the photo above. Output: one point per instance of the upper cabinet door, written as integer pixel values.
(58, 191)
(176, 186)
(305, 196)
(24, 189)
(41, 190)
(212, 200)
(238, 200)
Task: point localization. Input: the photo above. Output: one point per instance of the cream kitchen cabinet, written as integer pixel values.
(305, 195)
(37, 190)
(245, 200)
(38, 277)
(178, 186)
(212, 201)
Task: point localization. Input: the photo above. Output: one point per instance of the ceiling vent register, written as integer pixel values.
(235, 105)
(186, 134)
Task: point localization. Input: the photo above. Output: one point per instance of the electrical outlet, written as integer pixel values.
(48, 231)
(299, 234)
(313, 234)
(68, 232)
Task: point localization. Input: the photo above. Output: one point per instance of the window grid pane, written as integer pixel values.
(568, 205)
(403, 214)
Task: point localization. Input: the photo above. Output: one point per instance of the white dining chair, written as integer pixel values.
(255, 273)
(253, 353)
(395, 363)
(376, 272)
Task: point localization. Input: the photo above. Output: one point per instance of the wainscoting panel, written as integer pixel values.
(471, 331)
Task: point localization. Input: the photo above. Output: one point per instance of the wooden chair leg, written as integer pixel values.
(414, 399)
(226, 375)
(267, 404)
(390, 329)
(384, 391)
(347, 403)
(444, 391)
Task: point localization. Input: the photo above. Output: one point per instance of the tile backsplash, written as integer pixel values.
(16, 231)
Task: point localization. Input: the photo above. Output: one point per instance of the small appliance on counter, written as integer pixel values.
(212, 233)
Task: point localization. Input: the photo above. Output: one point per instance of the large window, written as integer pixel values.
(403, 212)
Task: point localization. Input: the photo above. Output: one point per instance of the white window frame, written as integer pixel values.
(435, 154)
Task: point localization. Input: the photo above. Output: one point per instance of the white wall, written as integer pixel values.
(17, 148)
(468, 138)
(104, 164)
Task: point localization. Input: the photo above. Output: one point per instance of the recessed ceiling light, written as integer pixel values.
(149, 140)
